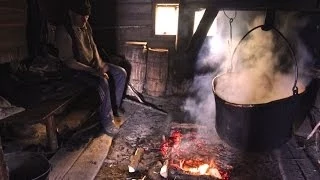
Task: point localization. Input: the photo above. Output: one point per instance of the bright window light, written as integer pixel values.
(197, 18)
(166, 19)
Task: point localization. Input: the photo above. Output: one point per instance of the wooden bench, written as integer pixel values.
(44, 113)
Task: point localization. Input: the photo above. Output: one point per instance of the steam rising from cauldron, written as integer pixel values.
(263, 69)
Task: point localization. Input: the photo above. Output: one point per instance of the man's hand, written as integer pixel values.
(105, 75)
(103, 71)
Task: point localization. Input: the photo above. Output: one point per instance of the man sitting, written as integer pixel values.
(78, 52)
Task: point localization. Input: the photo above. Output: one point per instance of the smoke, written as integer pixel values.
(263, 69)
(201, 106)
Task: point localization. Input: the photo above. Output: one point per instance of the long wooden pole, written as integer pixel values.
(4, 173)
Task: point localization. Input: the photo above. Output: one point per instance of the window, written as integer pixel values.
(197, 18)
(166, 19)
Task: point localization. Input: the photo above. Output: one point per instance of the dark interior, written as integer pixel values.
(267, 46)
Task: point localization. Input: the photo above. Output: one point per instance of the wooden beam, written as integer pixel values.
(306, 5)
(185, 61)
(201, 32)
(185, 26)
(4, 174)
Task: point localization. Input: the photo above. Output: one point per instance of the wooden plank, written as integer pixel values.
(136, 34)
(42, 111)
(63, 160)
(289, 170)
(10, 15)
(134, 8)
(314, 155)
(19, 4)
(89, 163)
(294, 163)
(12, 35)
(308, 169)
(287, 164)
(310, 5)
(135, 19)
(104, 34)
(134, 1)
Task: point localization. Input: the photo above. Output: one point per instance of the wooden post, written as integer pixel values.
(201, 32)
(188, 57)
(52, 133)
(4, 173)
(185, 32)
(185, 26)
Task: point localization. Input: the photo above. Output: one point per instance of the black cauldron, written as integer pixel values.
(262, 127)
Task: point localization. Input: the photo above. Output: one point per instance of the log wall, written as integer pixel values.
(13, 20)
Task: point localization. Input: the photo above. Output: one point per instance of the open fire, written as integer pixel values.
(191, 155)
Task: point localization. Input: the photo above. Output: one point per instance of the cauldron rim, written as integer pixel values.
(253, 104)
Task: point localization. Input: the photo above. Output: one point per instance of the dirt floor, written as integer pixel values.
(145, 127)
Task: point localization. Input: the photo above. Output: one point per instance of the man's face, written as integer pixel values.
(79, 20)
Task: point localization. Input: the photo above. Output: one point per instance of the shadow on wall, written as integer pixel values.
(103, 21)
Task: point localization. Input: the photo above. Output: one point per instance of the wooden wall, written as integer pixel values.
(115, 22)
(13, 20)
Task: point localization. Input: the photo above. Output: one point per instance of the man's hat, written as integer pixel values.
(81, 7)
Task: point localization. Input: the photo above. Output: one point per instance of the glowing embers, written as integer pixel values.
(198, 167)
(188, 154)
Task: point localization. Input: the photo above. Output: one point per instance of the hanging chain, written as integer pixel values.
(231, 19)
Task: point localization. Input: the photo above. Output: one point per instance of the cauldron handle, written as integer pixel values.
(295, 87)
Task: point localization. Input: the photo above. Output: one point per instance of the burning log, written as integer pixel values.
(190, 156)
(135, 159)
(179, 175)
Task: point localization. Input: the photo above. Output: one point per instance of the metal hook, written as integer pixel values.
(269, 21)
